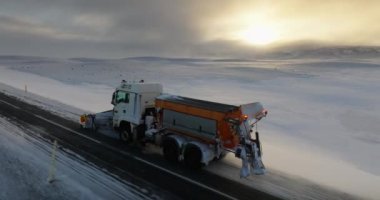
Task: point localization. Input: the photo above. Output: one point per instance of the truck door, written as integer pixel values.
(120, 105)
(125, 108)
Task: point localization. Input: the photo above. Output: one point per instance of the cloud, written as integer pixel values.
(112, 29)
(120, 28)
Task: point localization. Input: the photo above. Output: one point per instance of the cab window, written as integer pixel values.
(122, 96)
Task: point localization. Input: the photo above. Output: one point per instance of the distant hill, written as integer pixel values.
(323, 51)
(295, 51)
(165, 59)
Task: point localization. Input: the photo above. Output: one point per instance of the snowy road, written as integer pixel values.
(25, 152)
(131, 175)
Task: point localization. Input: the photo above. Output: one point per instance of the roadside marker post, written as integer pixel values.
(53, 163)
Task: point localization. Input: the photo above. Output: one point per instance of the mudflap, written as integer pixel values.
(257, 164)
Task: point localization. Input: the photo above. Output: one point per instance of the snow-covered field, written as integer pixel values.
(323, 123)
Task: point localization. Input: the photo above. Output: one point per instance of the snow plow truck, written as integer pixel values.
(188, 130)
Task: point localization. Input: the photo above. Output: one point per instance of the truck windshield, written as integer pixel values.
(122, 96)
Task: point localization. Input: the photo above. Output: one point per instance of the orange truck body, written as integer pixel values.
(218, 114)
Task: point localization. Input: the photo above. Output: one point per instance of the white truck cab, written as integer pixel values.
(131, 100)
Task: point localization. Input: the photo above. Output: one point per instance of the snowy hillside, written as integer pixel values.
(323, 114)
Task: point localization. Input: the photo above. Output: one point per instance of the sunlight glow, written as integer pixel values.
(258, 35)
(253, 28)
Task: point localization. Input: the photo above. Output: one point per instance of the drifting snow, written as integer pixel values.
(323, 115)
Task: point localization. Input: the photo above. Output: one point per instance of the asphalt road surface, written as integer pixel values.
(129, 162)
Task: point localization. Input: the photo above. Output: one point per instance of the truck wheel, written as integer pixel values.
(125, 134)
(170, 150)
(193, 157)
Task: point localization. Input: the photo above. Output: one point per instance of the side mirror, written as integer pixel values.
(113, 99)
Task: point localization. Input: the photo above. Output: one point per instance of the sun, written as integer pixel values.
(248, 27)
(258, 35)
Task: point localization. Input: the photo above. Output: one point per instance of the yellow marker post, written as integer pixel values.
(53, 163)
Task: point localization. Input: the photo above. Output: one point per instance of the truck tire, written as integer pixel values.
(125, 133)
(193, 157)
(170, 150)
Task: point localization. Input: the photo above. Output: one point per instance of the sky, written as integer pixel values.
(197, 28)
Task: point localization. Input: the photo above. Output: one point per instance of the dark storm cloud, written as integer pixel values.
(96, 28)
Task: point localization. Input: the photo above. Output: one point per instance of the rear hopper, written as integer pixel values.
(203, 120)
